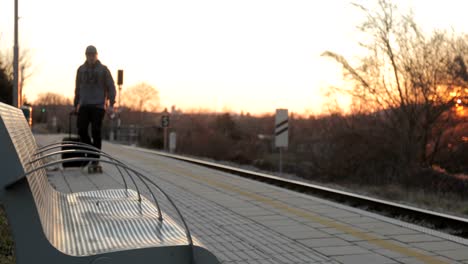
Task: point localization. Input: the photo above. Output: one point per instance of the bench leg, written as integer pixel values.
(31, 245)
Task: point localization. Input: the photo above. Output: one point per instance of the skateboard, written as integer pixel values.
(94, 168)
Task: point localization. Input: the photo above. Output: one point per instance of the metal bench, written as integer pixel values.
(103, 226)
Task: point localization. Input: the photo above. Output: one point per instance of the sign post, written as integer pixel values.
(281, 133)
(172, 142)
(119, 109)
(165, 125)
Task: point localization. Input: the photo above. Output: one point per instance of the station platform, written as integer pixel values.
(244, 221)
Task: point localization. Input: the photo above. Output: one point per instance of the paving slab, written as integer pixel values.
(365, 258)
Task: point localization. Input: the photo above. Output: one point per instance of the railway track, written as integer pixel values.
(450, 224)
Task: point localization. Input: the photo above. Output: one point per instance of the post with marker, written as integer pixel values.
(281, 133)
(165, 125)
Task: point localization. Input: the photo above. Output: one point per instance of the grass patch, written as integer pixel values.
(7, 255)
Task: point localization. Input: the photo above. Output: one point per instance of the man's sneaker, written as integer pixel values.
(94, 167)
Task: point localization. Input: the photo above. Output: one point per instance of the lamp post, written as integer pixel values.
(16, 94)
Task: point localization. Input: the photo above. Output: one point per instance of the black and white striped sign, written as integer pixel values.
(281, 128)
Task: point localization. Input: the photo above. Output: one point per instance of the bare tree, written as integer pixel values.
(6, 73)
(52, 106)
(25, 63)
(6, 87)
(408, 78)
(52, 99)
(141, 97)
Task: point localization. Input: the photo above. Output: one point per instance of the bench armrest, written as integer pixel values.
(142, 177)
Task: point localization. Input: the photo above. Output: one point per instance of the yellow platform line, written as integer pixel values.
(306, 215)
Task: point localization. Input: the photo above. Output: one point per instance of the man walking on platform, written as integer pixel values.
(94, 86)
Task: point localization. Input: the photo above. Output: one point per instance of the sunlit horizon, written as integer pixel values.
(242, 56)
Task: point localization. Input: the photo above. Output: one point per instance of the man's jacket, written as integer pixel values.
(94, 84)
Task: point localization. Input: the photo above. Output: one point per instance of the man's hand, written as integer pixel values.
(110, 111)
(76, 109)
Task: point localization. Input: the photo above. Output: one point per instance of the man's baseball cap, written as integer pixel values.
(91, 50)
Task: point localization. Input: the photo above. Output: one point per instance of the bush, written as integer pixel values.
(7, 255)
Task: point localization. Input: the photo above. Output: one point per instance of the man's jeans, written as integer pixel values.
(90, 115)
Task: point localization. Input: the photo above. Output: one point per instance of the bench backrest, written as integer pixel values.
(17, 146)
(15, 138)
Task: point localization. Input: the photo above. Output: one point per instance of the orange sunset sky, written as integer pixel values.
(252, 56)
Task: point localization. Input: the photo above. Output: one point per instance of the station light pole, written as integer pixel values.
(16, 93)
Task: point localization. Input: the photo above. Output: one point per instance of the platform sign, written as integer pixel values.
(281, 128)
(119, 77)
(165, 121)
